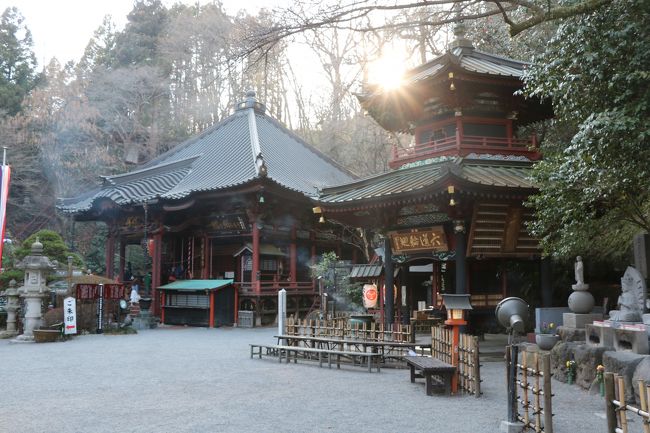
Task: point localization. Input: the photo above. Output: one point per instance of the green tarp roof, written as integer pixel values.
(191, 285)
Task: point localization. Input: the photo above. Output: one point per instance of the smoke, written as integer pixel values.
(344, 304)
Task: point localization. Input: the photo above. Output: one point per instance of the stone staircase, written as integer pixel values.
(142, 319)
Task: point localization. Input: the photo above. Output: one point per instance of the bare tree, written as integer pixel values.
(384, 15)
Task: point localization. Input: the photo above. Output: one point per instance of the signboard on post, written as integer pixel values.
(100, 310)
(282, 312)
(69, 315)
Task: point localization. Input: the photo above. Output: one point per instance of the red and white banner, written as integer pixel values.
(370, 295)
(5, 174)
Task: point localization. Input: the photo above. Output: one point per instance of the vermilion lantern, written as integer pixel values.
(456, 306)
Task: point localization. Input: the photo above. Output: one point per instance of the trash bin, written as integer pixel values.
(246, 319)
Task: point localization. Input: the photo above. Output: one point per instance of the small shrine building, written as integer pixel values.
(451, 209)
(231, 206)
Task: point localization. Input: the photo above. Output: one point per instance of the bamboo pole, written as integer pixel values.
(536, 392)
(548, 396)
(477, 367)
(524, 383)
(621, 397)
(644, 405)
(646, 391)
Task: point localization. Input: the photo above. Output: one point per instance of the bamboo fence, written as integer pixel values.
(468, 368)
(341, 328)
(534, 394)
(617, 408)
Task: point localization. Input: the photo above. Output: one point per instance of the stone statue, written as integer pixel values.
(579, 270)
(631, 303)
(135, 297)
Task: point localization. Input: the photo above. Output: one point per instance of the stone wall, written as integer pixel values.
(633, 367)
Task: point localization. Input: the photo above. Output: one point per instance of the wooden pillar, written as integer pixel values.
(156, 270)
(455, 330)
(461, 257)
(509, 132)
(162, 309)
(211, 321)
(110, 253)
(255, 274)
(205, 271)
(545, 282)
(382, 315)
(236, 318)
(293, 256)
(388, 281)
(314, 282)
(122, 258)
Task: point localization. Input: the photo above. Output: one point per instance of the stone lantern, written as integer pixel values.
(12, 306)
(36, 267)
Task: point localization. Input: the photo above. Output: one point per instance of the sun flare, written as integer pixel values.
(388, 70)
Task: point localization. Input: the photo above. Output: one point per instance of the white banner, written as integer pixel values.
(70, 315)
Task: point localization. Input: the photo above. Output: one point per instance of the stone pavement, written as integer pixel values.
(202, 380)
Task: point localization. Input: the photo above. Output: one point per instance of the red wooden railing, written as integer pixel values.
(463, 146)
(272, 287)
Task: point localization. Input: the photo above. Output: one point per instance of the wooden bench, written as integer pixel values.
(292, 352)
(431, 367)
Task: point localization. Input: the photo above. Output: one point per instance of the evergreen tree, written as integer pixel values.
(138, 44)
(595, 186)
(17, 61)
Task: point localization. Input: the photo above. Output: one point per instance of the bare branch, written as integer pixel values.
(347, 16)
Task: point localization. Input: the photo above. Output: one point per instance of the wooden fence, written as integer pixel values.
(341, 328)
(533, 395)
(469, 367)
(617, 408)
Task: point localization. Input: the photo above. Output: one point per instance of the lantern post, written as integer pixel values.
(456, 306)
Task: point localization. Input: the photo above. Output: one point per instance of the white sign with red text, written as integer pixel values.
(70, 315)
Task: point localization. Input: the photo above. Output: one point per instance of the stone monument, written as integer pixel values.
(36, 267)
(12, 307)
(624, 330)
(581, 302)
(631, 303)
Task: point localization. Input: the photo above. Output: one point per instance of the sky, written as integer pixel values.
(62, 28)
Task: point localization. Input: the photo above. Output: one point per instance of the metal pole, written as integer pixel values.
(512, 383)
(70, 276)
(4, 155)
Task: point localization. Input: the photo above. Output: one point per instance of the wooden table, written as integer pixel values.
(431, 367)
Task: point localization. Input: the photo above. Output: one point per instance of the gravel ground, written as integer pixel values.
(203, 380)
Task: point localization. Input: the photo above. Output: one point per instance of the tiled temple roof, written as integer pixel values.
(479, 171)
(246, 146)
